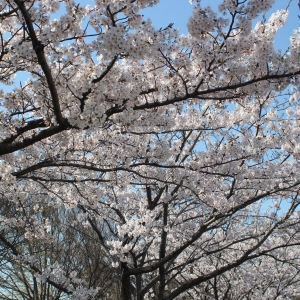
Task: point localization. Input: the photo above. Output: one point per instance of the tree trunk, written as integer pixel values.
(126, 287)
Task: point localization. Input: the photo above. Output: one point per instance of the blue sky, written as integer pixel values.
(178, 12)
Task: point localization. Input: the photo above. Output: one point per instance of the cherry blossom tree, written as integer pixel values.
(178, 153)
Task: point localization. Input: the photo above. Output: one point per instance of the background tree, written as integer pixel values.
(179, 154)
(70, 252)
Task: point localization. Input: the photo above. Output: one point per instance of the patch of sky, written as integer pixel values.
(180, 11)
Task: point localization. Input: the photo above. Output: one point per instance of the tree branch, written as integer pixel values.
(38, 47)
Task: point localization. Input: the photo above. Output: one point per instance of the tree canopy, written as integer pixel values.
(138, 163)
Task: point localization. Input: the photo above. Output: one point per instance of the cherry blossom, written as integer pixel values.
(179, 154)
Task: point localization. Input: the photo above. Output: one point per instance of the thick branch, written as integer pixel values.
(39, 50)
(198, 94)
(6, 148)
(29, 126)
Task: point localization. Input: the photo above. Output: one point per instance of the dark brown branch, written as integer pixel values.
(38, 47)
(198, 94)
(214, 90)
(153, 203)
(162, 253)
(47, 164)
(96, 80)
(8, 13)
(6, 148)
(29, 126)
(37, 178)
(25, 111)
